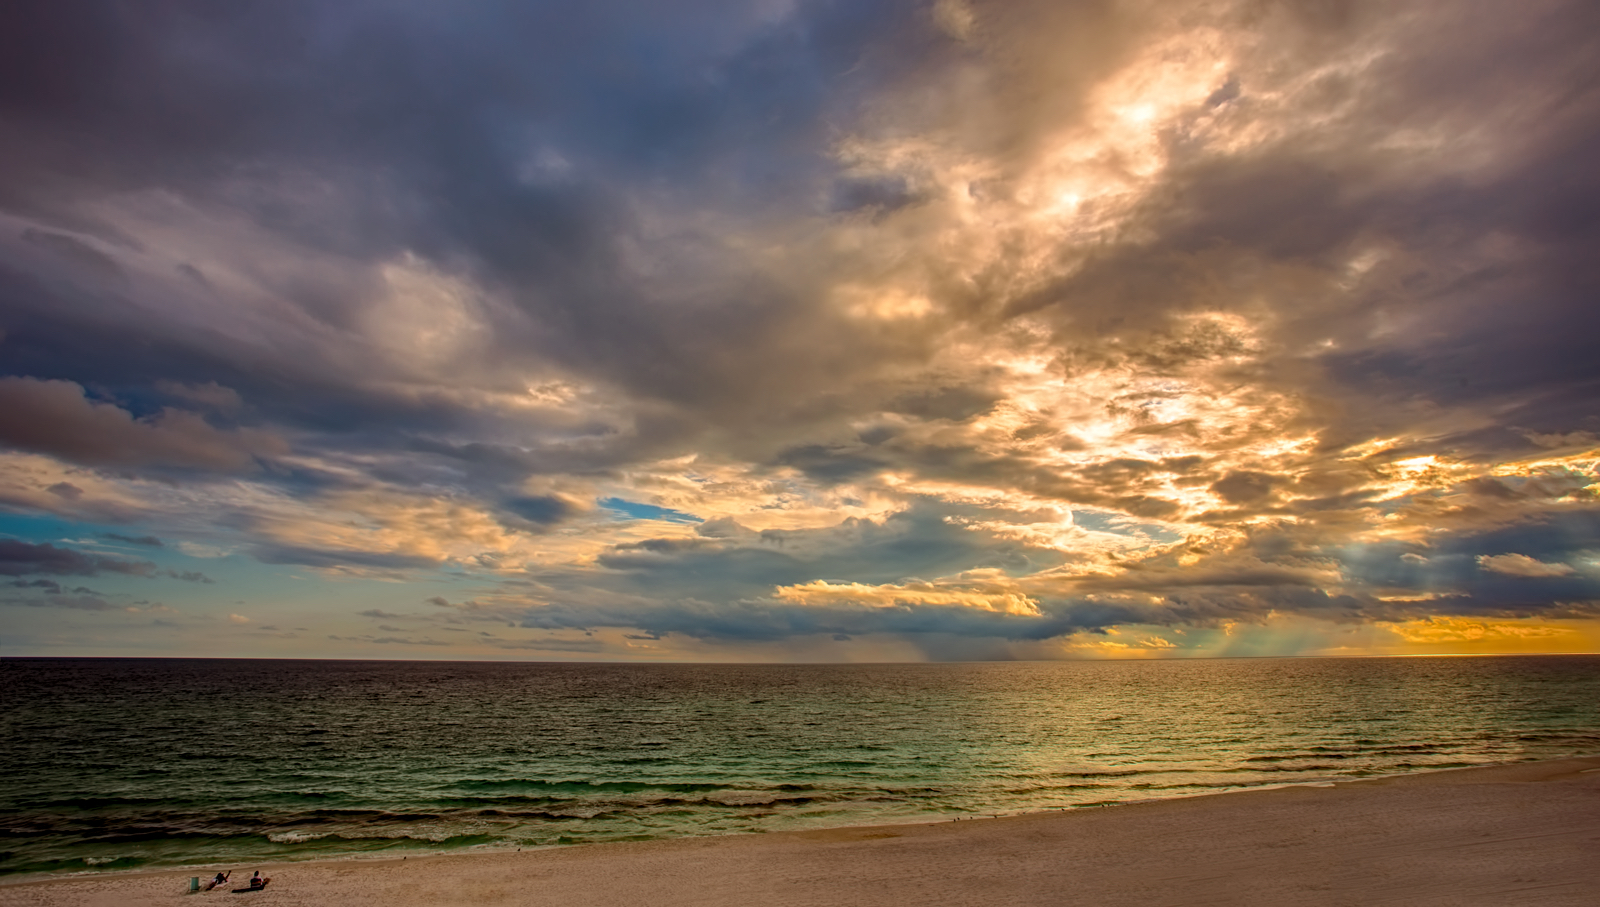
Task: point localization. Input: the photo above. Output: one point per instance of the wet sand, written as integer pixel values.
(1524, 834)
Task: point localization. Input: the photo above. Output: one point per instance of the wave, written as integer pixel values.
(577, 786)
(124, 827)
(180, 849)
(10, 866)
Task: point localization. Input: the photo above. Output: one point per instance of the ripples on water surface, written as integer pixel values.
(111, 763)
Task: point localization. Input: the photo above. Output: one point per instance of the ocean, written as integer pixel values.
(110, 764)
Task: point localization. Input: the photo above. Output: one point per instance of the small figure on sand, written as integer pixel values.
(217, 882)
(257, 882)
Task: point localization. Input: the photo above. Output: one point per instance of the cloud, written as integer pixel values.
(196, 549)
(50, 585)
(210, 394)
(904, 595)
(66, 490)
(314, 557)
(389, 640)
(1521, 565)
(551, 645)
(84, 601)
(148, 541)
(541, 510)
(54, 417)
(80, 254)
(24, 558)
(1448, 630)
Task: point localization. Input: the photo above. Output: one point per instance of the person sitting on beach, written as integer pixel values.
(257, 882)
(217, 882)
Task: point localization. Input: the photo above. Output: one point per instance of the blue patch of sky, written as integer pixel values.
(1119, 524)
(38, 529)
(98, 539)
(633, 510)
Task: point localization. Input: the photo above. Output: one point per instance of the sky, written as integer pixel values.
(767, 331)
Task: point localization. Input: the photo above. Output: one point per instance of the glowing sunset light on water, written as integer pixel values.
(853, 332)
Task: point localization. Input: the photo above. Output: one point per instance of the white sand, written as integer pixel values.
(1526, 834)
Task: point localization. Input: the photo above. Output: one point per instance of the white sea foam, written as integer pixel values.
(293, 837)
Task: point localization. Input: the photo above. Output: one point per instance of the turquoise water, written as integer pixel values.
(123, 763)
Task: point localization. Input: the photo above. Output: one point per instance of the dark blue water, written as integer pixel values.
(121, 763)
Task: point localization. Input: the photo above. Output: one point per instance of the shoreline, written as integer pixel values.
(1511, 826)
(208, 869)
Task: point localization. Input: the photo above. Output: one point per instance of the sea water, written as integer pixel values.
(122, 763)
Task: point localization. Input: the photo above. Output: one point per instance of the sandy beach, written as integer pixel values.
(1521, 834)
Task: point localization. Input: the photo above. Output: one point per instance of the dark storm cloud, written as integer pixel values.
(27, 559)
(767, 620)
(1557, 541)
(724, 582)
(830, 464)
(543, 510)
(502, 148)
(728, 562)
(1214, 601)
(502, 139)
(55, 417)
(1499, 332)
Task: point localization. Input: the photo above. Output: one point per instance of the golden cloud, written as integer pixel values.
(822, 593)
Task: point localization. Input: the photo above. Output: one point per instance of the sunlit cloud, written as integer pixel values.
(1521, 565)
(908, 594)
